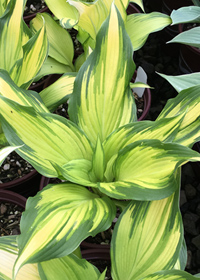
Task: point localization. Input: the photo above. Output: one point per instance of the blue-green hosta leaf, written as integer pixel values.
(67, 14)
(144, 170)
(185, 14)
(11, 34)
(58, 218)
(181, 82)
(59, 92)
(48, 138)
(164, 130)
(51, 66)
(139, 26)
(102, 99)
(34, 55)
(170, 275)
(187, 101)
(4, 152)
(189, 37)
(8, 256)
(60, 42)
(147, 238)
(24, 97)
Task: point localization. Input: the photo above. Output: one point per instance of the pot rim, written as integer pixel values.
(12, 197)
(18, 181)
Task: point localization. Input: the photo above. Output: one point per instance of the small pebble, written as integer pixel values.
(196, 241)
(18, 163)
(6, 166)
(32, 8)
(3, 209)
(183, 198)
(189, 259)
(190, 191)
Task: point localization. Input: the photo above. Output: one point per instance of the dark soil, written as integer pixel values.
(156, 56)
(33, 6)
(10, 215)
(14, 167)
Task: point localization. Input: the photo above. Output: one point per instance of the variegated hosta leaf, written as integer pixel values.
(147, 238)
(98, 162)
(3, 4)
(164, 130)
(144, 170)
(181, 82)
(139, 26)
(8, 256)
(187, 101)
(24, 97)
(11, 34)
(188, 136)
(182, 260)
(186, 14)
(139, 3)
(60, 42)
(34, 55)
(48, 138)
(102, 100)
(189, 37)
(170, 275)
(66, 13)
(58, 218)
(27, 34)
(78, 171)
(59, 92)
(3, 140)
(93, 14)
(51, 66)
(4, 152)
(68, 268)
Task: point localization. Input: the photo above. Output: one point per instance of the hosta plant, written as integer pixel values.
(87, 18)
(108, 160)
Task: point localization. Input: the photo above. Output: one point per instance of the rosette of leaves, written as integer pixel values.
(87, 18)
(103, 147)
